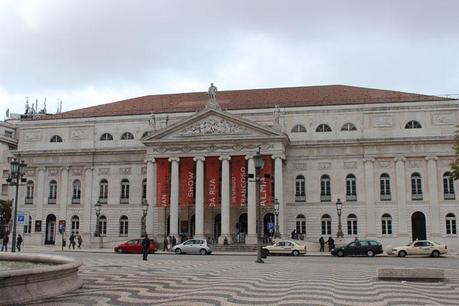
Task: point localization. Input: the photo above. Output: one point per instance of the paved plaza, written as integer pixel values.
(115, 279)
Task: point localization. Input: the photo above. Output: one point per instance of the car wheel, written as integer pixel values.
(401, 254)
(178, 251)
(119, 251)
(370, 253)
(295, 253)
(340, 253)
(435, 253)
(203, 252)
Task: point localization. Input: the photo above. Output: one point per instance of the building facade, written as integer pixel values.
(385, 154)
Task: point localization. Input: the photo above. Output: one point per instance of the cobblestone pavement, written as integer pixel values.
(225, 280)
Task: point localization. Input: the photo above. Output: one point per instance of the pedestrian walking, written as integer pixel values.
(165, 244)
(146, 246)
(322, 243)
(331, 243)
(80, 241)
(6, 239)
(72, 241)
(19, 242)
(294, 234)
(169, 243)
(174, 240)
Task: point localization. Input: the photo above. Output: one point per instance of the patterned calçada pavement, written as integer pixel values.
(169, 280)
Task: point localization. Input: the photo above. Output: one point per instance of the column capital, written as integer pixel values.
(89, 169)
(399, 158)
(174, 159)
(225, 157)
(368, 159)
(41, 169)
(249, 156)
(278, 156)
(431, 157)
(199, 158)
(149, 160)
(65, 169)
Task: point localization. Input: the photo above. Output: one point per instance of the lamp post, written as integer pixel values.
(276, 214)
(98, 229)
(144, 217)
(339, 207)
(15, 178)
(259, 163)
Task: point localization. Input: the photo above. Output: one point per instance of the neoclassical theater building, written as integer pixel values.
(189, 157)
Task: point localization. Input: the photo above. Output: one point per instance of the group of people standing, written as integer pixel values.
(169, 242)
(73, 239)
(6, 240)
(330, 242)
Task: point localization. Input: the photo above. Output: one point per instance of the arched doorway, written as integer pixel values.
(50, 232)
(268, 225)
(217, 226)
(242, 224)
(418, 226)
(192, 226)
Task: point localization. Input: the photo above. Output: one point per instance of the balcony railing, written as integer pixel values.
(352, 197)
(450, 196)
(300, 198)
(51, 200)
(103, 200)
(416, 196)
(325, 198)
(76, 200)
(386, 197)
(28, 201)
(124, 200)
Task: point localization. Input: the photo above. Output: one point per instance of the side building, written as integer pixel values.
(190, 160)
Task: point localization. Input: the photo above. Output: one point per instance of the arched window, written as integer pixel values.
(103, 191)
(301, 224)
(352, 225)
(384, 186)
(298, 129)
(448, 186)
(76, 194)
(300, 185)
(326, 224)
(75, 225)
(413, 124)
(124, 191)
(29, 193)
(348, 127)
(106, 137)
(325, 190)
(416, 186)
(127, 136)
(323, 128)
(351, 188)
(103, 225)
(124, 226)
(52, 192)
(56, 138)
(144, 189)
(386, 224)
(451, 224)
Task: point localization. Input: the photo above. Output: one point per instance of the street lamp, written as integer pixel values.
(259, 163)
(144, 217)
(339, 207)
(276, 214)
(15, 178)
(98, 228)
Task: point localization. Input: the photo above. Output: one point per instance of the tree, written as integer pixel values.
(6, 210)
(455, 164)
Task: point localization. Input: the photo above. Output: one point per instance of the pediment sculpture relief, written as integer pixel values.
(212, 126)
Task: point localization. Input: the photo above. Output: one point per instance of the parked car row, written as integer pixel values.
(295, 248)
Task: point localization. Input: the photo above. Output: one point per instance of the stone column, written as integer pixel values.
(433, 196)
(279, 194)
(63, 201)
(251, 204)
(174, 214)
(400, 179)
(87, 202)
(40, 194)
(151, 180)
(199, 199)
(225, 200)
(370, 197)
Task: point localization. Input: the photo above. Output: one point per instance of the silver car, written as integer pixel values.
(197, 246)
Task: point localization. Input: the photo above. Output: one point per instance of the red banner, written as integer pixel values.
(212, 185)
(187, 182)
(163, 173)
(266, 179)
(238, 181)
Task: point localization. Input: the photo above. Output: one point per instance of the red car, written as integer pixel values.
(135, 246)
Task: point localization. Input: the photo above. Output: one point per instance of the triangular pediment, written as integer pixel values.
(212, 124)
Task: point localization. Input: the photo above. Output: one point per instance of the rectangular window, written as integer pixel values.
(5, 189)
(6, 173)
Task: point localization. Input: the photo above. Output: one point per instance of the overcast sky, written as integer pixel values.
(89, 52)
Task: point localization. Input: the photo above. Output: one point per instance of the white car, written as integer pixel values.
(197, 246)
(421, 247)
(288, 247)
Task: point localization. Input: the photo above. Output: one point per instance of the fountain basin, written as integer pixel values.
(40, 277)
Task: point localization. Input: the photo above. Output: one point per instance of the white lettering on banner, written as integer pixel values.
(243, 186)
(233, 189)
(263, 192)
(212, 193)
(164, 199)
(190, 185)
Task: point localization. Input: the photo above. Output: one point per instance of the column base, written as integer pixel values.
(251, 239)
(221, 239)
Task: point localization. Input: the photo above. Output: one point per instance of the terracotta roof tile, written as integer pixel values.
(248, 99)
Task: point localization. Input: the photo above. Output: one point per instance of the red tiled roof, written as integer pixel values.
(247, 99)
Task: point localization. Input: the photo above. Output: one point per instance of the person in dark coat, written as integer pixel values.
(6, 239)
(19, 242)
(294, 234)
(146, 246)
(72, 241)
(165, 244)
(331, 244)
(174, 240)
(322, 243)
